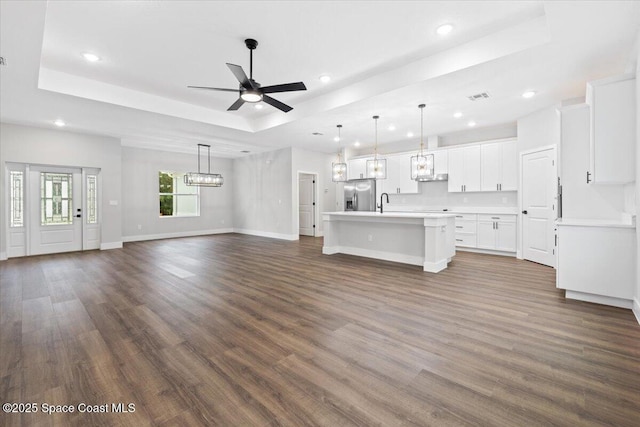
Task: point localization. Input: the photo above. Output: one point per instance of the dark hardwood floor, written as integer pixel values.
(236, 330)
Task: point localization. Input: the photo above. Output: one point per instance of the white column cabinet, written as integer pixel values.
(613, 130)
(440, 161)
(464, 169)
(498, 166)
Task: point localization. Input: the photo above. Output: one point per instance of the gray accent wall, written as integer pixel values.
(140, 203)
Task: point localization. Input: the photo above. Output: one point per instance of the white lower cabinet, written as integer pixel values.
(497, 232)
(466, 230)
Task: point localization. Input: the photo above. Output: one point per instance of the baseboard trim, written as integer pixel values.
(636, 309)
(368, 253)
(434, 267)
(3, 256)
(268, 234)
(599, 299)
(174, 235)
(110, 245)
(485, 251)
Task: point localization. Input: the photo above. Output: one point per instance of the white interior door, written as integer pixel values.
(55, 210)
(306, 200)
(538, 206)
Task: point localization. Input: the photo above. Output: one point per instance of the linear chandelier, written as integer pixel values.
(202, 179)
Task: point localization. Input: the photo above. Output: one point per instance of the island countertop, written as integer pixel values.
(376, 214)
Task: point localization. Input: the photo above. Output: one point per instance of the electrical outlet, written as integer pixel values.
(504, 200)
(465, 200)
(139, 226)
(370, 237)
(222, 221)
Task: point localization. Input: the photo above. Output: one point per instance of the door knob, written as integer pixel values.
(524, 212)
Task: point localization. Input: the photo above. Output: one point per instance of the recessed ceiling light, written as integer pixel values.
(357, 144)
(409, 134)
(258, 106)
(91, 57)
(325, 78)
(457, 114)
(529, 94)
(391, 127)
(336, 139)
(444, 29)
(471, 124)
(59, 123)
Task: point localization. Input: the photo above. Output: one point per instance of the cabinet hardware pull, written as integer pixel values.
(588, 177)
(495, 217)
(459, 226)
(458, 240)
(458, 216)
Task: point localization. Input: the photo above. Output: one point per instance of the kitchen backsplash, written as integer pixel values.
(436, 194)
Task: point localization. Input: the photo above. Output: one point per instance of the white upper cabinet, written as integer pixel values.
(464, 169)
(398, 175)
(613, 130)
(498, 166)
(440, 161)
(357, 168)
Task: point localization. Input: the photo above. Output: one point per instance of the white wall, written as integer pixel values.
(24, 144)
(262, 196)
(539, 129)
(140, 217)
(320, 164)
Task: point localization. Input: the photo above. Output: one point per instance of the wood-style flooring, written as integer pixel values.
(236, 330)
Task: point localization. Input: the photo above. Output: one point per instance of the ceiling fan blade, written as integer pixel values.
(286, 87)
(240, 75)
(213, 88)
(236, 105)
(275, 103)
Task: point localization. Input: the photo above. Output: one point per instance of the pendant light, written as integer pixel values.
(202, 179)
(376, 168)
(422, 164)
(339, 168)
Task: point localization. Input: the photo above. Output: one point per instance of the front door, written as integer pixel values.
(538, 206)
(306, 208)
(55, 210)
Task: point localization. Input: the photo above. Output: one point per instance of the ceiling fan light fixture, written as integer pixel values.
(251, 95)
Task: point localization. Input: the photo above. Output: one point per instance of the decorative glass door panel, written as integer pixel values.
(56, 198)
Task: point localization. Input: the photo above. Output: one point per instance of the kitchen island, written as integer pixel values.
(425, 239)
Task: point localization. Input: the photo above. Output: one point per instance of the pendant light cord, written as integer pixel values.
(421, 106)
(375, 149)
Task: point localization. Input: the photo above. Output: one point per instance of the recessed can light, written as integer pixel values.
(336, 139)
(457, 114)
(444, 29)
(392, 127)
(409, 134)
(529, 94)
(357, 144)
(59, 123)
(471, 124)
(325, 78)
(91, 57)
(258, 106)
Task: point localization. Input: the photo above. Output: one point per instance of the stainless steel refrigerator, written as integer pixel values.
(360, 195)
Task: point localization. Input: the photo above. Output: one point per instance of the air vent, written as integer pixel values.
(245, 151)
(317, 134)
(478, 96)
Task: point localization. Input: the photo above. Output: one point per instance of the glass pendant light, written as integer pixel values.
(339, 168)
(202, 179)
(421, 163)
(376, 168)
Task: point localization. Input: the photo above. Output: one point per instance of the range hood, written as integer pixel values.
(434, 177)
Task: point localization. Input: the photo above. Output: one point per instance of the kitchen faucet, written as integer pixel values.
(383, 194)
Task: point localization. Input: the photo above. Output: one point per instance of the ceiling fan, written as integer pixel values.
(250, 90)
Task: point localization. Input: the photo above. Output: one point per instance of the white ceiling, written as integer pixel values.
(384, 58)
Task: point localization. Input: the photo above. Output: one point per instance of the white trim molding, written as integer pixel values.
(599, 299)
(636, 309)
(369, 253)
(110, 245)
(142, 237)
(269, 234)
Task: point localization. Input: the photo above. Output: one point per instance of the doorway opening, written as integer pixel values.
(52, 209)
(307, 204)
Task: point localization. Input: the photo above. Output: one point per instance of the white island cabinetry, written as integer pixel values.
(425, 239)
